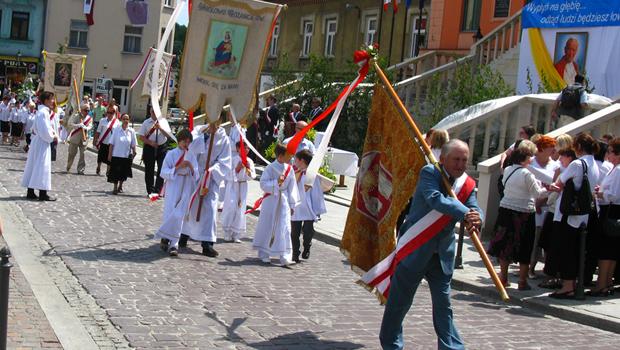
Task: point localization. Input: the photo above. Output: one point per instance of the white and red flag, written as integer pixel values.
(89, 11)
(386, 4)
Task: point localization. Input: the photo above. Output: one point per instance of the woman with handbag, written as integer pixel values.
(573, 208)
(121, 154)
(514, 231)
(608, 195)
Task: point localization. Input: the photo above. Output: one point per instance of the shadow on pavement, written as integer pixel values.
(298, 340)
(303, 340)
(249, 261)
(138, 255)
(16, 198)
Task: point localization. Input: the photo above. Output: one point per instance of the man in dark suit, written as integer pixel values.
(315, 112)
(434, 260)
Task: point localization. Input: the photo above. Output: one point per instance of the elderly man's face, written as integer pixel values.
(455, 162)
(570, 50)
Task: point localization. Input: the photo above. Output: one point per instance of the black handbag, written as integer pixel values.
(611, 227)
(578, 202)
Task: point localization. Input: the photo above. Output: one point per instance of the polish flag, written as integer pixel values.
(89, 11)
(386, 4)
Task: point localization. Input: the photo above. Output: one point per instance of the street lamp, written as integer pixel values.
(419, 25)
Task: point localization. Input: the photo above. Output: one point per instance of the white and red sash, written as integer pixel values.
(422, 231)
(259, 201)
(85, 122)
(107, 131)
(162, 192)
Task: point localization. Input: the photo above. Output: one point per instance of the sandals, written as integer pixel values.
(550, 284)
(564, 295)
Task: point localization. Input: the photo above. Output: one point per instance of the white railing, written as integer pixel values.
(501, 39)
(605, 120)
(490, 127)
(413, 90)
(423, 63)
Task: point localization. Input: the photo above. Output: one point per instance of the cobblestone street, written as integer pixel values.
(127, 292)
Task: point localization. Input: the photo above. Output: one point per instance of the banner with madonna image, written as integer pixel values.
(60, 72)
(224, 50)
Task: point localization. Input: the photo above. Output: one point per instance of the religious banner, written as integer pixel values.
(165, 68)
(224, 50)
(561, 39)
(60, 71)
(387, 177)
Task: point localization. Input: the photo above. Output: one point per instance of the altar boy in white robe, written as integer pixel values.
(38, 171)
(219, 169)
(273, 231)
(311, 208)
(233, 214)
(180, 171)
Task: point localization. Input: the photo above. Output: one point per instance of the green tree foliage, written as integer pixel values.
(179, 39)
(321, 80)
(470, 85)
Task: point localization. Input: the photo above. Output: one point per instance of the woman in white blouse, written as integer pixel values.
(514, 231)
(608, 195)
(121, 153)
(568, 252)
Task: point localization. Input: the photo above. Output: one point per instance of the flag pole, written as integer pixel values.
(427, 151)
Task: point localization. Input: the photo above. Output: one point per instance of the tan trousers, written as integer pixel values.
(73, 149)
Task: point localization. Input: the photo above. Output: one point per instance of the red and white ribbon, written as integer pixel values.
(142, 69)
(422, 231)
(85, 122)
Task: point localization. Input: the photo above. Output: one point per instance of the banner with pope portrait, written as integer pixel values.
(60, 71)
(224, 50)
(561, 39)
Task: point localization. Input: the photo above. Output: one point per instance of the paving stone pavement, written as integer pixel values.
(234, 301)
(27, 327)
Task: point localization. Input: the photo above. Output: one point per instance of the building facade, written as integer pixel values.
(21, 39)
(336, 28)
(454, 24)
(116, 44)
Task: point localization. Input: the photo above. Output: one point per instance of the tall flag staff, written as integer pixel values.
(378, 276)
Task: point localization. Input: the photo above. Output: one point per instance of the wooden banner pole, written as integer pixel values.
(427, 151)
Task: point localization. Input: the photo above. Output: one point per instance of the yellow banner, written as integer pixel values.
(544, 63)
(388, 174)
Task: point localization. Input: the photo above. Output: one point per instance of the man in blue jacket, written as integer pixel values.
(434, 260)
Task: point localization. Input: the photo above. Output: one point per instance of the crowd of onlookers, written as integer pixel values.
(551, 188)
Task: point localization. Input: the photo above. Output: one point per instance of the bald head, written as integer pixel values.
(300, 125)
(454, 156)
(570, 49)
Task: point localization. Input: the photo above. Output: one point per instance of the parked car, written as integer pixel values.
(177, 117)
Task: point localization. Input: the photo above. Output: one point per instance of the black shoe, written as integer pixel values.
(31, 195)
(173, 252)
(296, 259)
(306, 254)
(163, 244)
(209, 251)
(47, 198)
(183, 241)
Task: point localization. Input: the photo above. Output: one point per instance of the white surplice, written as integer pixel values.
(38, 171)
(219, 170)
(274, 221)
(178, 189)
(312, 202)
(233, 214)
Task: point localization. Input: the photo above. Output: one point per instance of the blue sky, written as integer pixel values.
(183, 18)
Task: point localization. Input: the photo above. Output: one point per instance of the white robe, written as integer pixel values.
(220, 170)
(312, 202)
(275, 213)
(38, 171)
(179, 187)
(233, 214)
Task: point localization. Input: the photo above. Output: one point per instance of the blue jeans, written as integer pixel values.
(404, 284)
